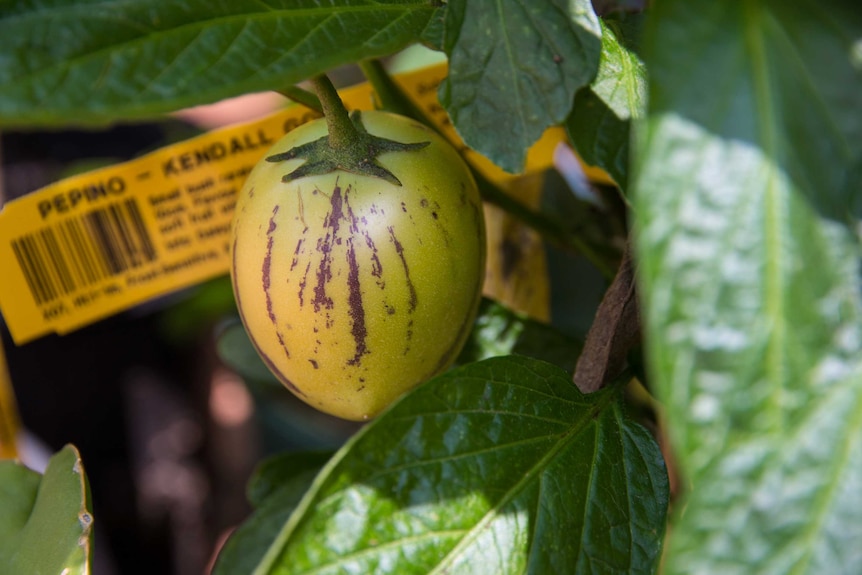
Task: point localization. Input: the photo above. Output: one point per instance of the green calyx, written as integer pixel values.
(350, 149)
(348, 146)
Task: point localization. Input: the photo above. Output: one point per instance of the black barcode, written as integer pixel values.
(78, 252)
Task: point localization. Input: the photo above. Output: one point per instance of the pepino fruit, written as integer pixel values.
(355, 287)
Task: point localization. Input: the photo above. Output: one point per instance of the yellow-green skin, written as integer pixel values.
(352, 289)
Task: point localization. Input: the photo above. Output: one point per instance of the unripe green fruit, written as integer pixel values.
(354, 289)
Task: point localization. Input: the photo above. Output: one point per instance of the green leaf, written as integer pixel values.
(273, 473)
(501, 466)
(797, 66)
(276, 489)
(600, 120)
(500, 331)
(18, 488)
(518, 64)
(95, 61)
(432, 35)
(751, 290)
(46, 522)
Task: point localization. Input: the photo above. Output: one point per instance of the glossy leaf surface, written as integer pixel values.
(751, 278)
(501, 466)
(500, 331)
(95, 61)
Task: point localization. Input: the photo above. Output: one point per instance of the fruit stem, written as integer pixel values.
(342, 133)
(347, 146)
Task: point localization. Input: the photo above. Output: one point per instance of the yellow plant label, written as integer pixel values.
(96, 244)
(9, 422)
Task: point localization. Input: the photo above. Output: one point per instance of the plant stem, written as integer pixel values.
(303, 97)
(547, 227)
(392, 98)
(390, 95)
(342, 133)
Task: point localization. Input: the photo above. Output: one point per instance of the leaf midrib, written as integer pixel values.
(588, 419)
(777, 233)
(510, 57)
(774, 208)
